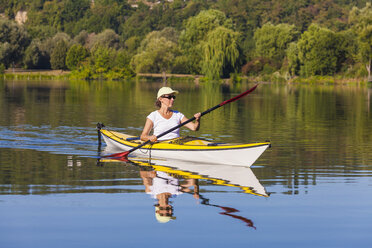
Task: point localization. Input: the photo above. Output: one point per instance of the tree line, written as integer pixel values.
(112, 39)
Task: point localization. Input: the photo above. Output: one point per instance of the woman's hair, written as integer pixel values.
(158, 103)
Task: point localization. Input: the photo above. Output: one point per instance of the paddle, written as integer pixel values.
(124, 154)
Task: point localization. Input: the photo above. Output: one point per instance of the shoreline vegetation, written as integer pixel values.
(223, 40)
(45, 74)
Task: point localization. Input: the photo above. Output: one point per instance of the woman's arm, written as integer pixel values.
(145, 136)
(194, 126)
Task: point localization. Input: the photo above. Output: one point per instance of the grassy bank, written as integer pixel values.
(20, 74)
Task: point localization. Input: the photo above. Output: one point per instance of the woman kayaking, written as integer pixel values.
(165, 118)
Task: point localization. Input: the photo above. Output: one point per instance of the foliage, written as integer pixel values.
(101, 59)
(293, 60)
(319, 52)
(108, 38)
(156, 53)
(33, 56)
(272, 40)
(258, 66)
(361, 20)
(132, 43)
(13, 41)
(82, 37)
(75, 56)
(220, 52)
(58, 55)
(198, 27)
(196, 33)
(105, 63)
(267, 41)
(49, 44)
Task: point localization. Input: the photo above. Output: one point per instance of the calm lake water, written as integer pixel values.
(312, 188)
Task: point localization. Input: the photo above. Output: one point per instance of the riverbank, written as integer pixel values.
(23, 74)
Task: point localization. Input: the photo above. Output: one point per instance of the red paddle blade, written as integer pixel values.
(118, 155)
(123, 158)
(239, 96)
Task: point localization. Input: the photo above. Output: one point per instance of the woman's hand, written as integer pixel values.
(194, 126)
(153, 138)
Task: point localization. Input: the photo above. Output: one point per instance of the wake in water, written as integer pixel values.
(79, 141)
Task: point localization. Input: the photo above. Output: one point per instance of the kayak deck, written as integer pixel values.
(181, 143)
(189, 149)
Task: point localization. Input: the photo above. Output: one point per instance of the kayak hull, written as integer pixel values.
(196, 151)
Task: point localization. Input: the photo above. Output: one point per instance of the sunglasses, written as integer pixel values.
(166, 208)
(169, 97)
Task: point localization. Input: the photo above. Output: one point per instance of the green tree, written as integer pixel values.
(194, 36)
(81, 38)
(106, 14)
(49, 44)
(122, 64)
(198, 27)
(52, 14)
(220, 52)
(293, 60)
(132, 43)
(319, 51)
(168, 33)
(75, 55)
(2, 69)
(74, 10)
(13, 41)
(58, 56)
(273, 40)
(108, 38)
(33, 56)
(156, 56)
(361, 20)
(5, 54)
(101, 59)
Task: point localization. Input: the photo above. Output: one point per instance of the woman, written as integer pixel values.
(165, 118)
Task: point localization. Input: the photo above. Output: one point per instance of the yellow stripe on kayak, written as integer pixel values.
(165, 145)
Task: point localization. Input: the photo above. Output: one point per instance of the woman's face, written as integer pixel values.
(167, 100)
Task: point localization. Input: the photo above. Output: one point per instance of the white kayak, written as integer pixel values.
(188, 149)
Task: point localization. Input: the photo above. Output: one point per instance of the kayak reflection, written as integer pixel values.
(219, 174)
(162, 186)
(167, 179)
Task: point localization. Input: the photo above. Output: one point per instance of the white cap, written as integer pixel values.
(166, 91)
(163, 219)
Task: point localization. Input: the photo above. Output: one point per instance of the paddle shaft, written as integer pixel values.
(188, 121)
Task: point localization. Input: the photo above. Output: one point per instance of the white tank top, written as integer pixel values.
(161, 124)
(164, 183)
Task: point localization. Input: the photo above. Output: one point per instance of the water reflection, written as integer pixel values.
(167, 179)
(162, 186)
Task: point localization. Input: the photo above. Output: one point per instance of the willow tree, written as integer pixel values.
(220, 52)
(196, 33)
